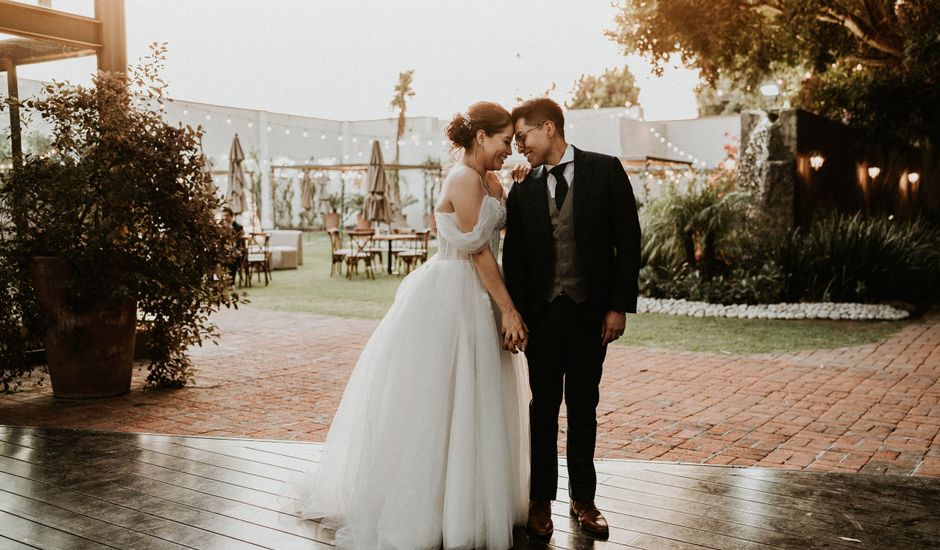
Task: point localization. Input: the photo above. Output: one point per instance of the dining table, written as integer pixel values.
(391, 238)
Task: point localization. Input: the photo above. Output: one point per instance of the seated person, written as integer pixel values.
(228, 220)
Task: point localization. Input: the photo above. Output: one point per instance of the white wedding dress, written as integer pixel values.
(429, 446)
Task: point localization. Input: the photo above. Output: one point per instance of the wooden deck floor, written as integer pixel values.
(73, 489)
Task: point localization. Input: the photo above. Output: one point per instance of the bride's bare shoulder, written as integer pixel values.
(463, 181)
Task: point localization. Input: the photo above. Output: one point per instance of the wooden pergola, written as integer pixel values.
(39, 34)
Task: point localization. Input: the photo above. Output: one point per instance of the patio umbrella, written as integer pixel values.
(306, 192)
(377, 207)
(235, 194)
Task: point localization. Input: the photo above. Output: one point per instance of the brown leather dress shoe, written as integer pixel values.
(540, 519)
(590, 518)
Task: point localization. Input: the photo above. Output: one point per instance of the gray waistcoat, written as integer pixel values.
(569, 276)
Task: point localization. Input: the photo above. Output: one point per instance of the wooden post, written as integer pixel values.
(112, 57)
(16, 142)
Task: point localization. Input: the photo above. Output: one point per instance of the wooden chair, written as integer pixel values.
(398, 246)
(339, 253)
(360, 243)
(258, 257)
(417, 254)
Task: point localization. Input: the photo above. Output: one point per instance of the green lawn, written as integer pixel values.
(311, 289)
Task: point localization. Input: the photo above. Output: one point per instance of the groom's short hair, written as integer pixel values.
(540, 109)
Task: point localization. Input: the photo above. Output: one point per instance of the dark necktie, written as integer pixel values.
(561, 184)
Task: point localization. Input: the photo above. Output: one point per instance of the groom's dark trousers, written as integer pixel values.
(565, 352)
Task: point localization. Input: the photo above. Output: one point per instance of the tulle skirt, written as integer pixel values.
(429, 445)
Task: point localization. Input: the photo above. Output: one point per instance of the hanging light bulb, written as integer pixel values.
(874, 171)
(913, 177)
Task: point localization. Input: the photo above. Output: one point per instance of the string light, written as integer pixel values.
(913, 177)
(874, 171)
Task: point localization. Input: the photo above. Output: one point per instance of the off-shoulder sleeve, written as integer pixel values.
(477, 238)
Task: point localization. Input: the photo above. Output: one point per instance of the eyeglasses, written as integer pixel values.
(519, 138)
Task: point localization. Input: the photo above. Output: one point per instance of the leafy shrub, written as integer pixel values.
(710, 244)
(705, 244)
(856, 259)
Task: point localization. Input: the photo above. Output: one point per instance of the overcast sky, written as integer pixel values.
(341, 59)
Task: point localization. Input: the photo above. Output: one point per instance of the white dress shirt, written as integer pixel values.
(568, 157)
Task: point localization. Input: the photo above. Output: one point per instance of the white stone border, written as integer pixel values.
(825, 310)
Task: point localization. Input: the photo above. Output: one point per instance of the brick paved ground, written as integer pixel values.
(871, 409)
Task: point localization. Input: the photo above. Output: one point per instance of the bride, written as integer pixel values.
(429, 446)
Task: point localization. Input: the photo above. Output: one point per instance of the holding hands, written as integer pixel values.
(514, 331)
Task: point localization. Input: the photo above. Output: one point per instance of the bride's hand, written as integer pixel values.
(520, 171)
(514, 331)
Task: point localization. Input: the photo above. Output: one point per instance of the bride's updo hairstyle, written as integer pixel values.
(483, 115)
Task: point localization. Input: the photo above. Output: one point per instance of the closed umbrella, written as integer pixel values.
(377, 207)
(306, 192)
(235, 194)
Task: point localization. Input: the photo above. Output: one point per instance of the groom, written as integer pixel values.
(571, 258)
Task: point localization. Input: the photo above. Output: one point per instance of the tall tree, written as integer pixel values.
(403, 92)
(873, 64)
(614, 88)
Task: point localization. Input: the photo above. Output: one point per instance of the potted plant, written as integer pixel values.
(331, 218)
(357, 204)
(116, 224)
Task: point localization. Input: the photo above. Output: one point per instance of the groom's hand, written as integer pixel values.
(613, 326)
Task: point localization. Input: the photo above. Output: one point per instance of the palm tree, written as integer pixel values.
(403, 91)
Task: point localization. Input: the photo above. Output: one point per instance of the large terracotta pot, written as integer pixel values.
(89, 354)
(331, 220)
(363, 223)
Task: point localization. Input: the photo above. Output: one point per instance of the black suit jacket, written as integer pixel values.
(607, 232)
